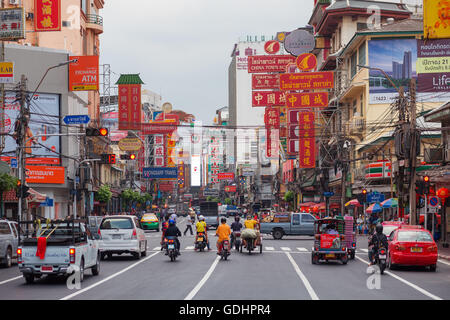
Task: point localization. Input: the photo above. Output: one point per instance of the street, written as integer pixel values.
(282, 272)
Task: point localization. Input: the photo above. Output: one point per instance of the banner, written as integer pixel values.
(130, 107)
(84, 74)
(47, 15)
(306, 81)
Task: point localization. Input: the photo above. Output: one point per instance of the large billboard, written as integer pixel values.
(44, 119)
(195, 171)
(398, 58)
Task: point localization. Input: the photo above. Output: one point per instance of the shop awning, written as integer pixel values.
(10, 196)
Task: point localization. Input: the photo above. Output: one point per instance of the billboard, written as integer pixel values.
(398, 58)
(195, 171)
(47, 15)
(12, 21)
(130, 107)
(45, 148)
(306, 81)
(84, 74)
(160, 173)
(433, 68)
(44, 174)
(435, 19)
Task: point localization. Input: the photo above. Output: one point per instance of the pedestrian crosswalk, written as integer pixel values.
(272, 249)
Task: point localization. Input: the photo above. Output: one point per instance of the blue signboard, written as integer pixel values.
(14, 163)
(48, 203)
(328, 194)
(78, 119)
(375, 197)
(160, 173)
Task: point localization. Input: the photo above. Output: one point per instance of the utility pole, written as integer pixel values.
(413, 156)
(23, 125)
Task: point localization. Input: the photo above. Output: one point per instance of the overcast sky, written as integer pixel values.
(181, 48)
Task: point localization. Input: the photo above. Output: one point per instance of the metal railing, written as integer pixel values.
(94, 19)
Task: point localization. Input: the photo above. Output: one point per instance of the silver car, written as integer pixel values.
(9, 240)
(122, 234)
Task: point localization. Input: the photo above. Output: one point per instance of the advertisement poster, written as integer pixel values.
(84, 74)
(433, 65)
(398, 58)
(46, 148)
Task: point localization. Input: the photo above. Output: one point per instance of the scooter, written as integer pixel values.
(171, 248)
(200, 244)
(224, 252)
(236, 240)
(380, 259)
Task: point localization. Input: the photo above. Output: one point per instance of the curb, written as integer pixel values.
(440, 256)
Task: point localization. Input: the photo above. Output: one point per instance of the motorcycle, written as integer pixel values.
(380, 259)
(200, 244)
(250, 245)
(171, 249)
(236, 240)
(224, 251)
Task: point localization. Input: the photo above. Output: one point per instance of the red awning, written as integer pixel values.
(10, 196)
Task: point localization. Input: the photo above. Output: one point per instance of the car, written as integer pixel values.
(389, 226)
(122, 234)
(9, 241)
(149, 221)
(412, 246)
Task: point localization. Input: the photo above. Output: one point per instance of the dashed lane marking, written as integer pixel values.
(285, 248)
(302, 249)
(270, 248)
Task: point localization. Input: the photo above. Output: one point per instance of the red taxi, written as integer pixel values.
(412, 246)
(389, 226)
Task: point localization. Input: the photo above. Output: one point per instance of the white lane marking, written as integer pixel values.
(270, 248)
(412, 285)
(305, 281)
(9, 280)
(302, 249)
(285, 249)
(365, 250)
(189, 248)
(70, 296)
(203, 280)
(156, 248)
(444, 262)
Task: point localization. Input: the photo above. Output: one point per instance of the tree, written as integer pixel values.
(103, 194)
(289, 198)
(7, 183)
(228, 201)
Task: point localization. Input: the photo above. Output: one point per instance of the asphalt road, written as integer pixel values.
(282, 272)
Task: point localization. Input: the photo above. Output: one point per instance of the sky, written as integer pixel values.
(182, 48)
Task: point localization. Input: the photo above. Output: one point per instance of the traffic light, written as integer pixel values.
(108, 158)
(420, 187)
(25, 192)
(426, 182)
(128, 156)
(95, 132)
(132, 156)
(18, 188)
(364, 193)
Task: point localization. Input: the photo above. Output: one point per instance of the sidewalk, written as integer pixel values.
(443, 253)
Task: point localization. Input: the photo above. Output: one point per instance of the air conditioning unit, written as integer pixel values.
(433, 155)
(16, 2)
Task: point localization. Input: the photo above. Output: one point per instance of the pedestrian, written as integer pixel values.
(188, 226)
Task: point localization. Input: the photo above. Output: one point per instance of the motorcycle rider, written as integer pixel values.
(173, 231)
(165, 226)
(236, 226)
(250, 223)
(202, 228)
(223, 232)
(377, 241)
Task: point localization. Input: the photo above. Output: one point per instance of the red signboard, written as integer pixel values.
(327, 241)
(272, 143)
(306, 81)
(268, 98)
(158, 128)
(306, 61)
(265, 81)
(272, 118)
(272, 47)
(47, 15)
(226, 176)
(307, 141)
(166, 187)
(130, 107)
(264, 64)
(84, 74)
(230, 189)
(307, 100)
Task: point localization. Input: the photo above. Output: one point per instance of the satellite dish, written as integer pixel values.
(167, 107)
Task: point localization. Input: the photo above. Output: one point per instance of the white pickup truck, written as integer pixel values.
(70, 246)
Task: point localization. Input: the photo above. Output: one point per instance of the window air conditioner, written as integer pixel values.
(14, 2)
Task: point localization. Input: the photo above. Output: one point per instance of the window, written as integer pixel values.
(354, 108)
(362, 54)
(296, 219)
(83, 6)
(362, 105)
(414, 236)
(13, 227)
(361, 26)
(4, 228)
(307, 218)
(117, 223)
(353, 65)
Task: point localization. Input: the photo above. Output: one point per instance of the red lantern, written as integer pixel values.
(442, 193)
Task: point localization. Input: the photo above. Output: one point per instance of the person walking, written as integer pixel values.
(188, 226)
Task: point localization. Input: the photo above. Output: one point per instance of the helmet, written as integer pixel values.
(201, 218)
(171, 222)
(249, 217)
(379, 228)
(236, 218)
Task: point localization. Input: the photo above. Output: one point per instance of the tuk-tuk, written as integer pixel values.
(329, 241)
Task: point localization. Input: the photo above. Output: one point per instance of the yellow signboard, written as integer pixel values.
(436, 19)
(433, 65)
(6, 72)
(130, 144)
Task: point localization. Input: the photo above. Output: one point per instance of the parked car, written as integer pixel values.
(122, 234)
(68, 243)
(9, 240)
(412, 246)
(150, 221)
(297, 224)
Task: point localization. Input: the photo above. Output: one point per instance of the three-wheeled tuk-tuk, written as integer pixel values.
(329, 241)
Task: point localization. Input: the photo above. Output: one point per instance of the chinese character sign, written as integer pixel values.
(47, 15)
(268, 98)
(272, 118)
(307, 100)
(130, 107)
(307, 143)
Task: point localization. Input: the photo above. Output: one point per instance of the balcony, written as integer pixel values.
(357, 126)
(94, 22)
